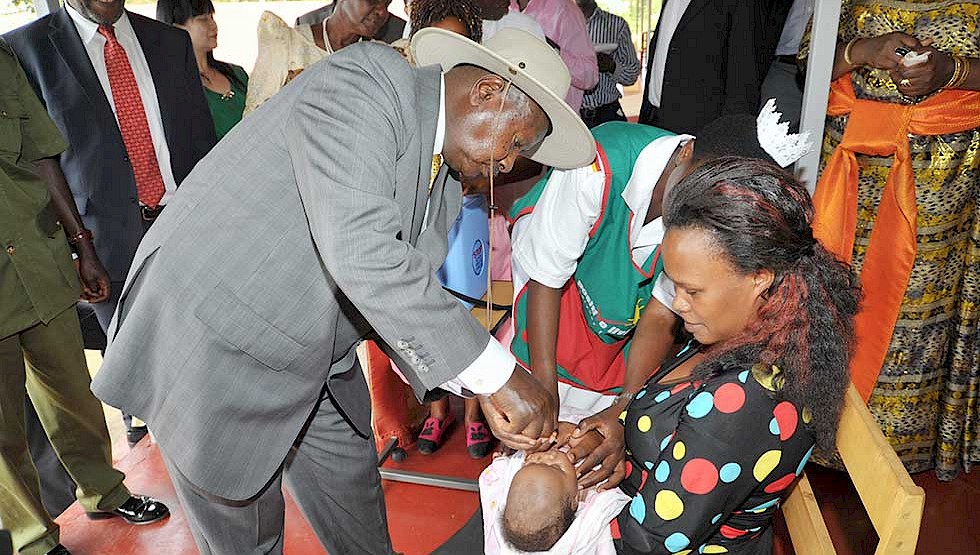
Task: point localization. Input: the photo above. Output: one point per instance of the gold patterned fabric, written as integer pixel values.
(436, 165)
(926, 398)
(284, 52)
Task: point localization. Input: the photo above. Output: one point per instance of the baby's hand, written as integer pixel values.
(582, 446)
(564, 433)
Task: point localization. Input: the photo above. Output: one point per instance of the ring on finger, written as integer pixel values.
(905, 83)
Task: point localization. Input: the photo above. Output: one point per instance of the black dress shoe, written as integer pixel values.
(59, 550)
(135, 434)
(138, 509)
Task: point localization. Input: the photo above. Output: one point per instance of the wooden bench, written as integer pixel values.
(892, 500)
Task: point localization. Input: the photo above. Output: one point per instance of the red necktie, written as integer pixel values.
(132, 121)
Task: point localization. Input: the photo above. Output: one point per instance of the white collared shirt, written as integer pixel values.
(491, 370)
(512, 20)
(799, 15)
(95, 48)
(670, 18)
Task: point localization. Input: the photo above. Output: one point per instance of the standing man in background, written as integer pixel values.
(618, 67)
(134, 116)
(564, 27)
(39, 286)
(703, 63)
(784, 81)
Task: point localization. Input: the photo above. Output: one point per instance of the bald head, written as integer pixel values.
(540, 508)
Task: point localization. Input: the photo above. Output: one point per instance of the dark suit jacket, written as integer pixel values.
(712, 67)
(772, 17)
(96, 164)
(391, 31)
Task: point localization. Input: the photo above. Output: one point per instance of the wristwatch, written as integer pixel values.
(624, 396)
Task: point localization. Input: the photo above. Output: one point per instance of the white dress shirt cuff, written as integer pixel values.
(488, 373)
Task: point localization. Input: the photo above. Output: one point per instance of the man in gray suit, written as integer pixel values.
(317, 221)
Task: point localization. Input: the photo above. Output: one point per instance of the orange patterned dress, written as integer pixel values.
(926, 396)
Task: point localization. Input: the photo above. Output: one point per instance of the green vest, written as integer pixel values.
(613, 290)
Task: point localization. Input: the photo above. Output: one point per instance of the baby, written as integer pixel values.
(532, 504)
(542, 501)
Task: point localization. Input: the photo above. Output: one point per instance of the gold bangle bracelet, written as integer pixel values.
(960, 70)
(847, 52)
(964, 74)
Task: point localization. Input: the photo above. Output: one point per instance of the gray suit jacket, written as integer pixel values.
(299, 233)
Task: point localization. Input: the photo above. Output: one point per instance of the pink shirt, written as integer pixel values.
(564, 24)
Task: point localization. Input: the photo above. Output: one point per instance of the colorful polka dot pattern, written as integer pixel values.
(749, 446)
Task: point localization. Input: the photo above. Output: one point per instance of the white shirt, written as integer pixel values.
(670, 18)
(491, 370)
(663, 291)
(548, 243)
(513, 20)
(94, 45)
(796, 20)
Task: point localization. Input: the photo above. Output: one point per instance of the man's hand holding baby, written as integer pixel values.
(521, 414)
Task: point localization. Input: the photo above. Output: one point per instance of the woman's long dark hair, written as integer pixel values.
(178, 12)
(759, 218)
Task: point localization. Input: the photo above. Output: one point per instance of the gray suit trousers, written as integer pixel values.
(332, 474)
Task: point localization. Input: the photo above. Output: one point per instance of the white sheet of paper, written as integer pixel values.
(914, 58)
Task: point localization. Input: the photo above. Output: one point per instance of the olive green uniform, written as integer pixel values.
(38, 290)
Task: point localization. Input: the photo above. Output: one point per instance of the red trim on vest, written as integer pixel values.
(604, 166)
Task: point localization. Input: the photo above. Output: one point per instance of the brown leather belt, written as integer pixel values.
(150, 214)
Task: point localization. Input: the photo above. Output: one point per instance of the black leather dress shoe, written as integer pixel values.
(135, 434)
(138, 509)
(59, 550)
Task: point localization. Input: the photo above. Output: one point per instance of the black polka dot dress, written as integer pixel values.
(708, 463)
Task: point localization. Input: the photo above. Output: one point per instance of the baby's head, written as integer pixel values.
(542, 501)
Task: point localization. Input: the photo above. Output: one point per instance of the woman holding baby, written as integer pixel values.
(897, 198)
(718, 435)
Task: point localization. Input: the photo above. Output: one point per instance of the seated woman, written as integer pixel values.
(224, 84)
(285, 51)
(718, 435)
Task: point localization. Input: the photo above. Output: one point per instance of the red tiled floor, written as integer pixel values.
(420, 517)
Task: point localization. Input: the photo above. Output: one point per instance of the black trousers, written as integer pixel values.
(607, 112)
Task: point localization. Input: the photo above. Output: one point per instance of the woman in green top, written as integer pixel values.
(224, 84)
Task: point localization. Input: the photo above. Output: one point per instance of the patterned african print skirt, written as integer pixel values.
(926, 398)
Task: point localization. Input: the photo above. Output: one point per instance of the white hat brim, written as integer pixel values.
(568, 145)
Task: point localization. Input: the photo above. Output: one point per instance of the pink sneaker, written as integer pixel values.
(433, 431)
(478, 440)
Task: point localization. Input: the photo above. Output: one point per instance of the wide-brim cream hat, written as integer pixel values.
(534, 68)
